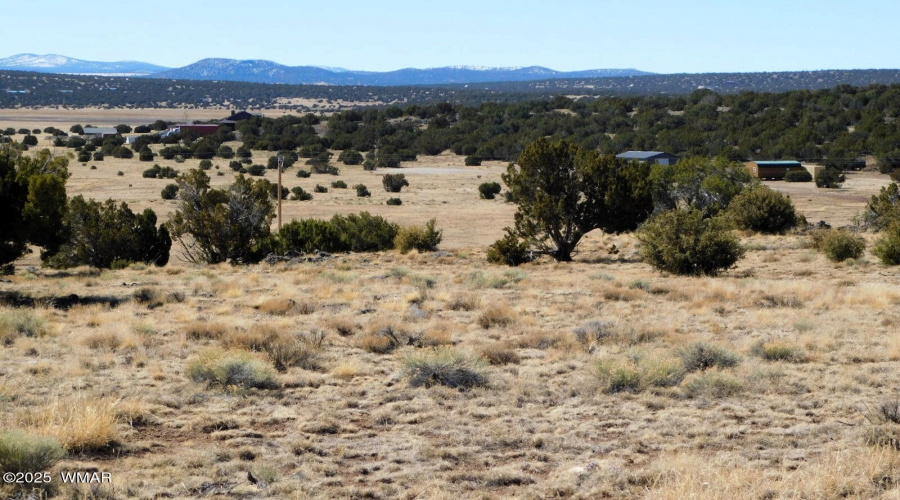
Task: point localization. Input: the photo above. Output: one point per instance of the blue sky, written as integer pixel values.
(661, 36)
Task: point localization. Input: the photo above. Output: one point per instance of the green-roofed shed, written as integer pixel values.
(773, 169)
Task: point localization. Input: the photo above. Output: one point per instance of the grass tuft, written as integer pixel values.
(446, 367)
(234, 368)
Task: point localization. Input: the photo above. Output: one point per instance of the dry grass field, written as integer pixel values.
(437, 375)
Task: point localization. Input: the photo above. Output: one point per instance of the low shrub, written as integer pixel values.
(297, 193)
(777, 351)
(256, 170)
(839, 245)
(509, 250)
(883, 209)
(887, 248)
(683, 241)
(394, 202)
(473, 161)
(21, 452)
(762, 209)
(446, 367)
(205, 330)
(157, 172)
(361, 232)
(423, 239)
(637, 374)
(798, 176)
(339, 185)
(496, 314)
(324, 169)
(362, 191)
(303, 174)
(16, 323)
(169, 192)
(830, 178)
(320, 189)
(489, 190)
(701, 356)
(234, 368)
(712, 384)
(393, 183)
(500, 354)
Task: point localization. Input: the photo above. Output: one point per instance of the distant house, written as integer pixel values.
(236, 117)
(650, 157)
(100, 132)
(773, 169)
(201, 129)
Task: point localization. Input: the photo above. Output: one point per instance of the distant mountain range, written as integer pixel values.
(262, 71)
(53, 63)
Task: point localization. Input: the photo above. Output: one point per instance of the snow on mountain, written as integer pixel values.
(54, 63)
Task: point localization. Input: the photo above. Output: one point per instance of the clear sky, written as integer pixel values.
(665, 36)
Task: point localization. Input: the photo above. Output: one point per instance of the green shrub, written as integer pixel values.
(299, 194)
(473, 161)
(489, 190)
(350, 157)
(324, 169)
(446, 367)
(320, 189)
(351, 233)
(702, 356)
(146, 154)
(21, 452)
(102, 233)
(234, 368)
(205, 164)
(682, 241)
(798, 176)
(884, 208)
(763, 210)
(712, 384)
(637, 374)
(776, 351)
(84, 157)
(509, 250)
(303, 174)
(393, 183)
(830, 178)
(157, 172)
(169, 192)
(256, 170)
(423, 239)
(339, 185)
(839, 245)
(887, 248)
(394, 201)
(98, 156)
(362, 191)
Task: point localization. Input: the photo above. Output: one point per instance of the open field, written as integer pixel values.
(332, 379)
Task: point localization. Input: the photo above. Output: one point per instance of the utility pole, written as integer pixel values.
(280, 165)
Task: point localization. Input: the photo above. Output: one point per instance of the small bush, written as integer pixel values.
(320, 189)
(473, 161)
(839, 245)
(204, 330)
(776, 351)
(883, 209)
(21, 452)
(226, 369)
(618, 377)
(702, 356)
(637, 374)
(798, 176)
(446, 367)
(682, 241)
(763, 210)
(298, 193)
(205, 164)
(887, 248)
(509, 250)
(339, 185)
(830, 178)
(500, 354)
(169, 192)
(712, 384)
(489, 190)
(393, 183)
(20, 322)
(98, 156)
(394, 201)
(256, 170)
(303, 174)
(362, 191)
(593, 332)
(423, 239)
(496, 315)
(324, 169)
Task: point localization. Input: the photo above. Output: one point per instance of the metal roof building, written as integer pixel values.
(101, 131)
(649, 156)
(773, 169)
